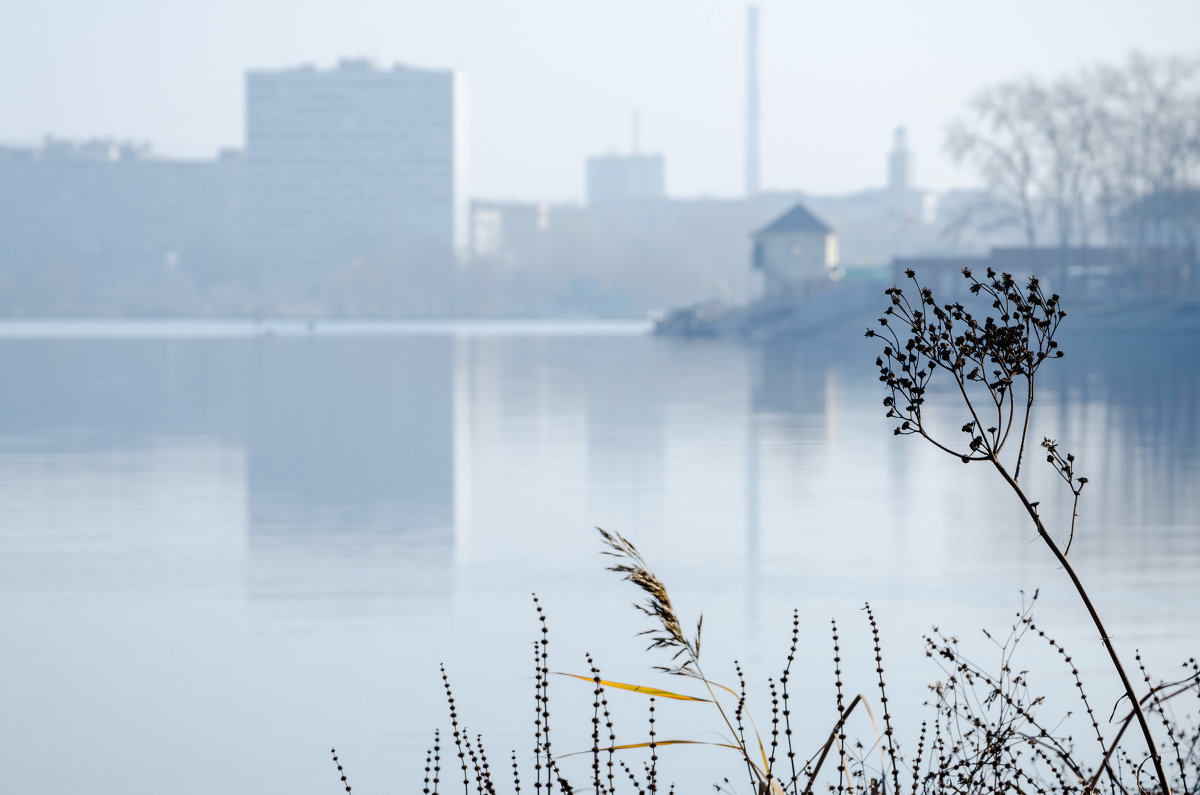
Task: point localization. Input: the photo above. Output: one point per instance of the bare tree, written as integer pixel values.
(1060, 122)
(1150, 114)
(998, 141)
(1100, 142)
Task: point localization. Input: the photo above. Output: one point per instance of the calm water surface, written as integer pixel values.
(225, 548)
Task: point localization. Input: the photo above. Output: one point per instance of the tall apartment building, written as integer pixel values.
(354, 164)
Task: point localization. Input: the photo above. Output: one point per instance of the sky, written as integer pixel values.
(555, 81)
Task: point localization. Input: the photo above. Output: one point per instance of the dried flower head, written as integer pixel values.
(992, 362)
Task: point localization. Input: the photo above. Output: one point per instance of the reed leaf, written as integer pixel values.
(648, 691)
(656, 743)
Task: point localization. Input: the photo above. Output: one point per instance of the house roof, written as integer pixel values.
(797, 219)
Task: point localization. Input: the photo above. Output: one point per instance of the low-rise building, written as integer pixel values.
(1076, 272)
(797, 255)
(108, 227)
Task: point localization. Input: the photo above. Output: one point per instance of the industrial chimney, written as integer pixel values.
(900, 162)
(752, 167)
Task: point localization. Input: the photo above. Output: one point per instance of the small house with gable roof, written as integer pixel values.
(797, 255)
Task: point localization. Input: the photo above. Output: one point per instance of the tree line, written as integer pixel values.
(1109, 155)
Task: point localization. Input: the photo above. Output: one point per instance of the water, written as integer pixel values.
(226, 547)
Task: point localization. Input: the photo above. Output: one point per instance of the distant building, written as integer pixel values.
(1113, 273)
(353, 164)
(1165, 219)
(900, 163)
(796, 254)
(504, 231)
(654, 254)
(614, 179)
(108, 226)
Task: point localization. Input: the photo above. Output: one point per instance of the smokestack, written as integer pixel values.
(752, 167)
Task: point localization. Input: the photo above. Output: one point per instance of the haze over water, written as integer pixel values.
(244, 548)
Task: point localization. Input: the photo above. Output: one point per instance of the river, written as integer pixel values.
(226, 547)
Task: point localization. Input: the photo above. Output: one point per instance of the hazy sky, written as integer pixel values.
(553, 81)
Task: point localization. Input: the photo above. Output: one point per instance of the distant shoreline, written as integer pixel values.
(243, 328)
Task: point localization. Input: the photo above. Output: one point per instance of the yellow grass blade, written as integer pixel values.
(672, 742)
(648, 691)
(763, 751)
(656, 744)
(723, 687)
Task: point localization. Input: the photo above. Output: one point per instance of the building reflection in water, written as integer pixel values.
(794, 389)
(378, 467)
(236, 499)
(350, 465)
(1127, 406)
(329, 460)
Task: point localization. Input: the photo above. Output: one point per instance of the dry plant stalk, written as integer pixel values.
(986, 734)
(759, 756)
(993, 363)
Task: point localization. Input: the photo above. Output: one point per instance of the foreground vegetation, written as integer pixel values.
(985, 729)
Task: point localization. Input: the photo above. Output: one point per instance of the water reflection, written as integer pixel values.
(340, 460)
(350, 467)
(1127, 407)
(305, 525)
(1138, 399)
(331, 459)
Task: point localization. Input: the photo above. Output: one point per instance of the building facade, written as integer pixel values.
(108, 227)
(616, 179)
(796, 254)
(354, 164)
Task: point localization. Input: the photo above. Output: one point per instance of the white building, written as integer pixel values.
(354, 164)
(797, 254)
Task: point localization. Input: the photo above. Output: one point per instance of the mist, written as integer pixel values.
(330, 334)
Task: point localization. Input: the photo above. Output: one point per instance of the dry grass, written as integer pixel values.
(983, 730)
